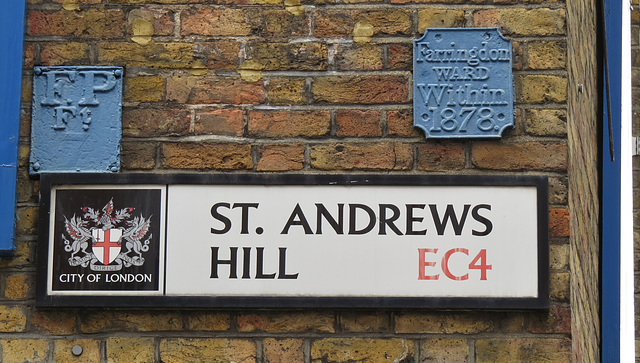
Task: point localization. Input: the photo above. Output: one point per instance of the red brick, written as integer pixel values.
(441, 156)
(92, 23)
(287, 322)
(217, 22)
(361, 89)
(289, 123)
(280, 157)
(358, 123)
(162, 21)
(381, 156)
(520, 156)
(145, 122)
(400, 57)
(206, 156)
(215, 89)
(559, 222)
(218, 55)
(71, 53)
(340, 23)
(400, 123)
(222, 121)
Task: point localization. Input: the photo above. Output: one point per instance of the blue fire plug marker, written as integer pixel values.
(76, 121)
(462, 83)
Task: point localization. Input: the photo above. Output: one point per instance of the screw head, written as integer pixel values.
(76, 350)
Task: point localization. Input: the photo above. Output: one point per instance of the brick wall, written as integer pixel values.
(313, 87)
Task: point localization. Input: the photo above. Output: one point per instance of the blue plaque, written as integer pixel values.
(76, 119)
(462, 83)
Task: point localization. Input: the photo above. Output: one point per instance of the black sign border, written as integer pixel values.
(50, 180)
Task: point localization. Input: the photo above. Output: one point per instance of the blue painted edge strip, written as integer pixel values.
(611, 192)
(12, 30)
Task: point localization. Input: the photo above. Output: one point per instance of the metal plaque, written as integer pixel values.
(462, 83)
(76, 119)
(241, 240)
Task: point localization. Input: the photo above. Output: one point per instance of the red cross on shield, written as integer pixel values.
(106, 246)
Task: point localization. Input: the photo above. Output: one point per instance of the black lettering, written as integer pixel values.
(352, 219)
(282, 266)
(487, 223)
(260, 266)
(337, 226)
(301, 221)
(232, 262)
(384, 221)
(450, 214)
(411, 219)
(246, 263)
(245, 215)
(226, 221)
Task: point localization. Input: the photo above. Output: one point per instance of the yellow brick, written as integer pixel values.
(144, 89)
(207, 350)
(105, 321)
(134, 350)
(62, 351)
(12, 319)
(439, 18)
(444, 350)
(523, 350)
(24, 350)
(18, 286)
(538, 88)
(362, 350)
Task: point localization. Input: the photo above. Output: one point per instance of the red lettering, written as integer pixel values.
(445, 264)
(482, 266)
(422, 263)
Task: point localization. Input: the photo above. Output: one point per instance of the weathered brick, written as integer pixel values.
(152, 55)
(559, 286)
(208, 321)
(358, 123)
(144, 89)
(150, 122)
(287, 91)
(214, 89)
(364, 322)
(400, 123)
(90, 350)
(440, 18)
(361, 89)
(439, 323)
(362, 350)
(280, 157)
(18, 286)
(94, 23)
(280, 23)
(559, 222)
(207, 350)
(27, 188)
(206, 156)
(546, 122)
(341, 23)
(440, 350)
(523, 350)
(289, 123)
(59, 54)
(12, 319)
(24, 350)
(380, 156)
(558, 190)
(305, 56)
(556, 320)
(138, 155)
(441, 156)
(538, 88)
(27, 220)
(283, 350)
(220, 121)
(558, 256)
(547, 54)
(520, 156)
(400, 57)
(217, 21)
(359, 57)
(126, 349)
(54, 322)
(280, 322)
(519, 21)
(219, 54)
(23, 255)
(149, 22)
(136, 321)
